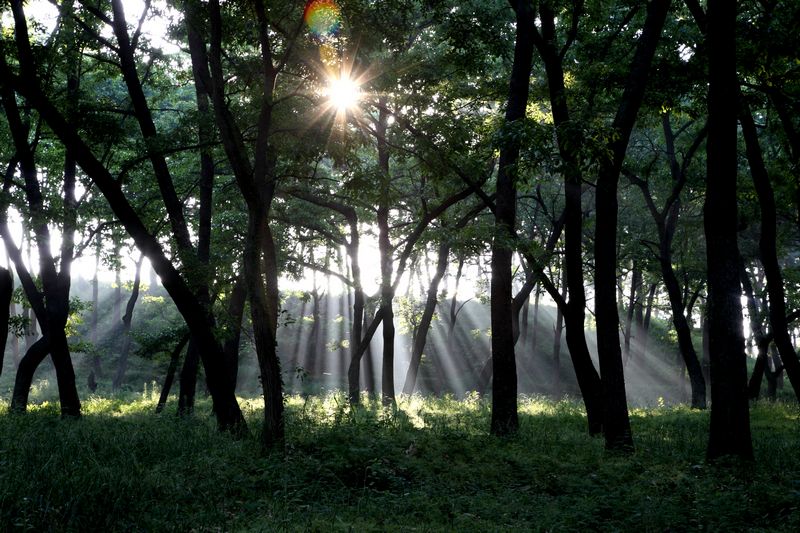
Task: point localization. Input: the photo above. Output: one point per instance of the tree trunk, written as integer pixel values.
(559, 326)
(616, 424)
(6, 292)
(762, 343)
(648, 312)
(385, 249)
(13, 312)
(683, 331)
(125, 332)
(504, 366)
(52, 303)
(524, 328)
(24, 378)
(94, 372)
(569, 149)
(535, 328)
(636, 282)
(170, 377)
(116, 312)
(768, 251)
(730, 422)
(234, 316)
(421, 336)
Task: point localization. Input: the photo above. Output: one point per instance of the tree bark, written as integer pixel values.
(6, 292)
(504, 367)
(234, 316)
(636, 282)
(385, 249)
(616, 424)
(569, 149)
(768, 250)
(421, 336)
(94, 372)
(730, 422)
(559, 326)
(170, 377)
(24, 379)
(125, 333)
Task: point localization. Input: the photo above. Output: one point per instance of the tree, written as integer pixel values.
(666, 220)
(729, 432)
(28, 85)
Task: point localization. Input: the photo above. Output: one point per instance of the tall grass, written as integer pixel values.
(428, 467)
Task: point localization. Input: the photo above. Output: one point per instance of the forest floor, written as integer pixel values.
(429, 467)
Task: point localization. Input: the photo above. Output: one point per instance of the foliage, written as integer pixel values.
(430, 464)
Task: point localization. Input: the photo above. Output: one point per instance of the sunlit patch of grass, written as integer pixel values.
(429, 465)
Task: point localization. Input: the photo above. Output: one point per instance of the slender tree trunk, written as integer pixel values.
(524, 328)
(385, 249)
(648, 312)
(454, 310)
(13, 312)
(94, 372)
(359, 319)
(559, 326)
(6, 291)
(535, 328)
(730, 421)
(369, 365)
(188, 380)
(170, 377)
(421, 336)
(762, 343)
(234, 316)
(616, 423)
(768, 251)
(569, 149)
(125, 334)
(636, 281)
(504, 366)
(116, 309)
(683, 331)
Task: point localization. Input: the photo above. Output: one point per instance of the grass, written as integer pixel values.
(430, 467)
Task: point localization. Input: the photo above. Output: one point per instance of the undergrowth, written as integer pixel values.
(430, 466)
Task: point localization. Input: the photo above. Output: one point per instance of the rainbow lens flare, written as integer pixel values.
(323, 18)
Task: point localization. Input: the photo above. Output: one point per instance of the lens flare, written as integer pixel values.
(323, 18)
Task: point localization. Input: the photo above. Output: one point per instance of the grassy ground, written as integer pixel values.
(430, 468)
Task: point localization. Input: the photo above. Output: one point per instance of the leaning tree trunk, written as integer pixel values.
(768, 252)
(682, 329)
(170, 376)
(730, 421)
(125, 333)
(425, 321)
(762, 342)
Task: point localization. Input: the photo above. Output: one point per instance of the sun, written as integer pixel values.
(343, 93)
